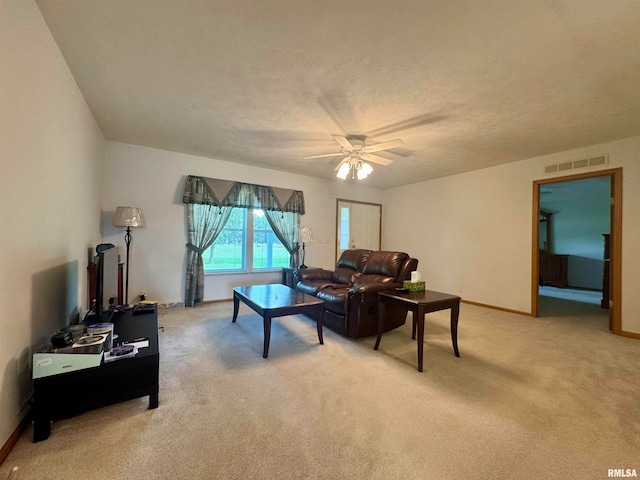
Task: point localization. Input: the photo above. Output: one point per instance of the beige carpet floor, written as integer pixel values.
(554, 397)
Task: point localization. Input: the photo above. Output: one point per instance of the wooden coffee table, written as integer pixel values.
(276, 300)
(420, 303)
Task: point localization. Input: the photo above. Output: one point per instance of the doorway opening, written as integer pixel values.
(550, 257)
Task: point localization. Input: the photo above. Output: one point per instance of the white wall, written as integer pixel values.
(154, 181)
(464, 230)
(51, 149)
(472, 232)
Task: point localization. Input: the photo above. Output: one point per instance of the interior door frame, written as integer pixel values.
(616, 241)
(338, 200)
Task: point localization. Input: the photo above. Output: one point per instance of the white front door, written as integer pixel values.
(358, 226)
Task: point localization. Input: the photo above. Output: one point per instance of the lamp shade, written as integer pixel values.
(128, 217)
(306, 235)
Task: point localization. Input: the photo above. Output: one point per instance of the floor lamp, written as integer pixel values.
(305, 236)
(128, 217)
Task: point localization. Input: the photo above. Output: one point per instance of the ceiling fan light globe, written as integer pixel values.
(364, 169)
(343, 172)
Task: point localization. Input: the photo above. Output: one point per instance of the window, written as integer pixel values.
(344, 228)
(246, 239)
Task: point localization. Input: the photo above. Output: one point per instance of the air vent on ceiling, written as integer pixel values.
(577, 164)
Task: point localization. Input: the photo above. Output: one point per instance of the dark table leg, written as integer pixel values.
(420, 313)
(413, 328)
(153, 399)
(155, 388)
(41, 429)
(319, 316)
(267, 334)
(236, 306)
(455, 312)
(380, 323)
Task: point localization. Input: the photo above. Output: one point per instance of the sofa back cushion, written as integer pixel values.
(385, 264)
(350, 264)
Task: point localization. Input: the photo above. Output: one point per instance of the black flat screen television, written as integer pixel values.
(106, 281)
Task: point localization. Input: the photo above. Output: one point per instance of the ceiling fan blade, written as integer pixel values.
(344, 160)
(376, 159)
(383, 146)
(344, 143)
(325, 155)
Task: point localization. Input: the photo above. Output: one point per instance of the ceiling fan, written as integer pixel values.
(357, 153)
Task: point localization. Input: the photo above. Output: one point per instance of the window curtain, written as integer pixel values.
(204, 222)
(285, 226)
(210, 202)
(212, 191)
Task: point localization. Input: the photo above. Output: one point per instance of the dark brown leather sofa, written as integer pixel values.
(351, 290)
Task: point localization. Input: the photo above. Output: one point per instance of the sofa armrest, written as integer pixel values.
(371, 288)
(313, 274)
(405, 272)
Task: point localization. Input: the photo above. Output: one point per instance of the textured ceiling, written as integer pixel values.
(465, 84)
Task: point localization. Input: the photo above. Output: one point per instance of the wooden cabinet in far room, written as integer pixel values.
(553, 269)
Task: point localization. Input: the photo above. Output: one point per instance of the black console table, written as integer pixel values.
(69, 394)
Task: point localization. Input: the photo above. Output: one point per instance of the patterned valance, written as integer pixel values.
(212, 191)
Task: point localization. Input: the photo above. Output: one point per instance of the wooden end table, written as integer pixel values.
(276, 300)
(287, 275)
(420, 303)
